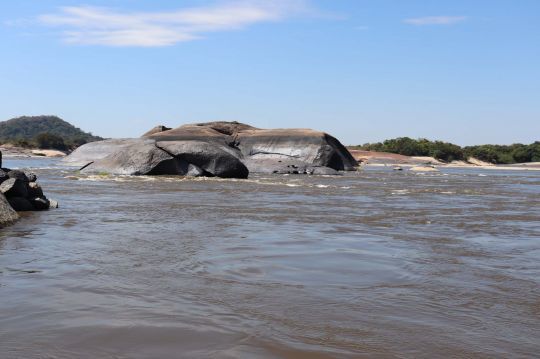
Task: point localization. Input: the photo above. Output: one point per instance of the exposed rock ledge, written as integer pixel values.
(221, 149)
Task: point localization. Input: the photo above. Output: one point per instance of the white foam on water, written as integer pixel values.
(400, 191)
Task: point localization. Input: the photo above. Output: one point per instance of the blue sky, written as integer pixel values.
(363, 70)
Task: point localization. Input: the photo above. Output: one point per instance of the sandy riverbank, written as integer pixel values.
(14, 151)
(385, 159)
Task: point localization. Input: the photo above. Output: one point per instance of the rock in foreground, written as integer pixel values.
(19, 192)
(7, 213)
(221, 149)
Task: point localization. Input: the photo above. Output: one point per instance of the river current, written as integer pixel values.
(377, 264)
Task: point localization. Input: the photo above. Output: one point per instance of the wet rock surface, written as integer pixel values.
(19, 192)
(7, 213)
(221, 149)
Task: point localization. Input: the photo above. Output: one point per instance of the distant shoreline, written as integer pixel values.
(533, 166)
(365, 159)
(9, 151)
(387, 159)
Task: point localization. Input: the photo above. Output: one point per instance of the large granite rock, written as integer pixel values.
(94, 151)
(271, 151)
(157, 129)
(136, 157)
(195, 132)
(223, 149)
(148, 157)
(214, 159)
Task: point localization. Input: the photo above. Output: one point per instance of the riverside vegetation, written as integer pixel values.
(448, 152)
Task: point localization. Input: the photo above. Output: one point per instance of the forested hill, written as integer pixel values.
(43, 132)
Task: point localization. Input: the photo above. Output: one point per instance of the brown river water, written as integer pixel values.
(374, 264)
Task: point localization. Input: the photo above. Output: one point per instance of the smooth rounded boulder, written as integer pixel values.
(93, 151)
(313, 148)
(184, 158)
(222, 149)
(140, 157)
(213, 159)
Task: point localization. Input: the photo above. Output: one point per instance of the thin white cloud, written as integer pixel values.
(104, 26)
(435, 20)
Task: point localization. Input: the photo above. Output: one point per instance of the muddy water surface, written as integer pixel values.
(371, 264)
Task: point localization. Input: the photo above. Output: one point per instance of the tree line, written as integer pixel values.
(50, 141)
(447, 152)
(43, 132)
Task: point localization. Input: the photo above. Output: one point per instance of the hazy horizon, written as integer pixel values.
(364, 71)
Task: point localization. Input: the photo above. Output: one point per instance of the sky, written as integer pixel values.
(462, 71)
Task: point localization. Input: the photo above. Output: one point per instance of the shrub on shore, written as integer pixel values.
(516, 153)
(443, 151)
(447, 152)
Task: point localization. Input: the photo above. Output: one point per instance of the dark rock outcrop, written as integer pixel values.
(22, 204)
(14, 187)
(19, 191)
(222, 149)
(214, 159)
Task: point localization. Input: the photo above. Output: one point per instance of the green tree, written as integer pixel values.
(27, 128)
(48, 140)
